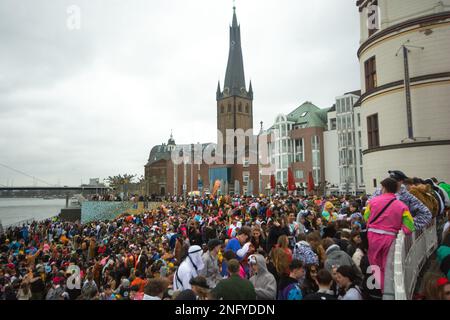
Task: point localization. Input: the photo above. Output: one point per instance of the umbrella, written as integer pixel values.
(272, 182)
(291, 181)
(310, 182)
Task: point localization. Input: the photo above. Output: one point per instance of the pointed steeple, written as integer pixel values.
(235, 23)
(171, 141)
(250, 90)
(219, 92)
(234, 77)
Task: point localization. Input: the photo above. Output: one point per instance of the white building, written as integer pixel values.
(408, 132)
(349, 132)
(331, 152)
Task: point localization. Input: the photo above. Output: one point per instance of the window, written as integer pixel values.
(229, 107)
(361, 155)
(283, 130)
(284, 163)
(374, 183)
(245, 163)
(299, 150)
(316, 174)
(361, 175)
(315, 142)
(284, 177)
(222, 109)
(350, 140)
(370, 74)
(304, 114)
(333, 124)
(338, 106)
(359, 138)
(359, 119)
(372, 131)
(316, 159)
(246, 176)
(299, 174)
(240, 107)
(247, 109)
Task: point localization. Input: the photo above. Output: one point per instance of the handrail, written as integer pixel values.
(410, 255)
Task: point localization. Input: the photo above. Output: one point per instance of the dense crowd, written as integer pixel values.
(230, 247)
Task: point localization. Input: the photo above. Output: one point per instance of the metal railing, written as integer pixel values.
(410, 255)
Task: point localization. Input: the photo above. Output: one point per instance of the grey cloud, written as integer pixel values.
(92, 102)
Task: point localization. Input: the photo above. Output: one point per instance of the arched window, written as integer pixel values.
(247, 109)
(222, 109)
(240, 107)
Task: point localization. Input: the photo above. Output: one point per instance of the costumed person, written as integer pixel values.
(385, 216)
(188, 269)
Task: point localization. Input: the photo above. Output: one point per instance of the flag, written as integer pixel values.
(216, 187)
(291, 181)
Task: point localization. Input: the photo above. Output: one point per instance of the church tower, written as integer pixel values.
(235, 102)
(235, 111)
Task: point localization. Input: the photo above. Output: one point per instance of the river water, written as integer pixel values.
(13, 210)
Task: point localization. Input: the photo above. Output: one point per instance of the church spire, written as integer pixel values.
(234, 77)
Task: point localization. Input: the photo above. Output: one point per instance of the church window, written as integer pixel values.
(222, 109)
(240, 107)
(247, 110)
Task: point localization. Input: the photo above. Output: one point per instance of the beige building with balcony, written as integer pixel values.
(405, 127)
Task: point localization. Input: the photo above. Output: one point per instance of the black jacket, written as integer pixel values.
(320, 296)
(274, 234)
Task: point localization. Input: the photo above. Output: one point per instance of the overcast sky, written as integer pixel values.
(91, 102)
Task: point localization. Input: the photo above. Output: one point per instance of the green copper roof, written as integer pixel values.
(309, 115)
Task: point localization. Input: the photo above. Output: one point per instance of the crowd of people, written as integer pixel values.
(229, 247)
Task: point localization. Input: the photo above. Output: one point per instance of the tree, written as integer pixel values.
(120, 180)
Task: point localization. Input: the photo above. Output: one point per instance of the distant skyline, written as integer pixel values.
(91, 102)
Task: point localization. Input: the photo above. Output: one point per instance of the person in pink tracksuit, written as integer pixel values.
(385, 217)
